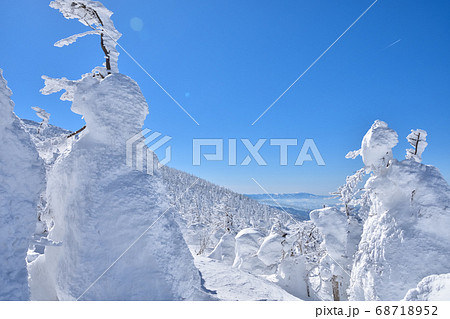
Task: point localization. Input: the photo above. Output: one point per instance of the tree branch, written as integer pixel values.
(77, 132)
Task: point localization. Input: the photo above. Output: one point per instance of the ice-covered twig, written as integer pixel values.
(53, 85)
(94, 15)
(417, 139)
(41, 113)
(74, 38)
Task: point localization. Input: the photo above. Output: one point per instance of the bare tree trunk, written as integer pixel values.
(107, 56)
(417, 144)
(308, 293)
(335, 286)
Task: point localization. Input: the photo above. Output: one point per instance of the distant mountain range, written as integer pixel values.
(297, 204)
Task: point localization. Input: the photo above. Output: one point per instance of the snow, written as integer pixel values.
(235, 284)
(248, 242)
(55, 85)
(116, 110)
(225, 249)
(431, 288)
(74, 38)
(271, 250)
(292, 276)
(43, 115)
(332, 224)
(51, 142)
(22, 179)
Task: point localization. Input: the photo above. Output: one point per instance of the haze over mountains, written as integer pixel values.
(297, 204)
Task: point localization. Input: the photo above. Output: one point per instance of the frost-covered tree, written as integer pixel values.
(347, 192)
(98, 202)
(341, 234)
(431, 288)
(109, 217)
(376, 146)
(341, 230)
(405, 233)
(44, 116)
(95, 16)
(22, 178)
(298, 270)
(418, 140)
(98, 18)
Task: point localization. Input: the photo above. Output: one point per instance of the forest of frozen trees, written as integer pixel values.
(77, 223)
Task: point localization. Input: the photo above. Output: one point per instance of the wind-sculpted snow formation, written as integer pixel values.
(404, 212)
(405, 236)
(22, 179)
(100, 206)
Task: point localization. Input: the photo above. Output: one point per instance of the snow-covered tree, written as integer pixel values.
(418, 140)
(341, 229)
(99, 204)
(347, 192)
(44, 116)
(298, 271)
(405, 233)
(22, 178)
(341, 234)
(376, 146)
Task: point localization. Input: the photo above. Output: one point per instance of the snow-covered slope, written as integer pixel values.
(22, 178)
(227, 283)
(207, 210)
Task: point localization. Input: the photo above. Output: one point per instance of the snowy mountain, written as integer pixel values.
(297, 204)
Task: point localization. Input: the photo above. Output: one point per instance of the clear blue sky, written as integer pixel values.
(226, 61)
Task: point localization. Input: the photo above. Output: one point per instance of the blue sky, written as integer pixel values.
(227, 61)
